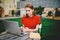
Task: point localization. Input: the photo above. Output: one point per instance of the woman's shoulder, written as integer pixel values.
(23, 17)
(38, 16)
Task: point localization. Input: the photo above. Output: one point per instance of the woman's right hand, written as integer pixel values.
(21, 29)
(24, 29)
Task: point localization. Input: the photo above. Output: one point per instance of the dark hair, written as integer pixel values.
(30, 6)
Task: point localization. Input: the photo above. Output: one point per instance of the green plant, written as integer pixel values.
(39, 10)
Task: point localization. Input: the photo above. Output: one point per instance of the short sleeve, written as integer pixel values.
(22, 20)
(39, 20)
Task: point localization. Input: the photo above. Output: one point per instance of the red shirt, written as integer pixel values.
(31, 22)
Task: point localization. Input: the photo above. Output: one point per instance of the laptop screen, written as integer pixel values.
(12, 27)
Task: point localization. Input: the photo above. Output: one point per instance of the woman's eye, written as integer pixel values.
(27, 10)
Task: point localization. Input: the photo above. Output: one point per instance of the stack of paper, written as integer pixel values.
(35, 35)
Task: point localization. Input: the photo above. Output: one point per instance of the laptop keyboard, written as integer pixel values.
(8, 36)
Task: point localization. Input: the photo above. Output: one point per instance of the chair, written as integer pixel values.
(39, 29)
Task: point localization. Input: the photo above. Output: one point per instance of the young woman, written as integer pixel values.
(31, 21)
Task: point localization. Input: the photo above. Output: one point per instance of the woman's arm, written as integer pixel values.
(33, 30)
(30, 30)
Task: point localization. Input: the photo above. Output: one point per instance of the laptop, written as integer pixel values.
(12, 27)
(13, 31)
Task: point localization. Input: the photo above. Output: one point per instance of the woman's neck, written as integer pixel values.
(31, 16)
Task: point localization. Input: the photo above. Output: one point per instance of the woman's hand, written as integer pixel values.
(25, 29)
(21, 29)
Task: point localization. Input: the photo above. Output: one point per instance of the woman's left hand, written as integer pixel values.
(27, 29)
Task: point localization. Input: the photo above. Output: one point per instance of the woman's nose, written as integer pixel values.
(27, 12)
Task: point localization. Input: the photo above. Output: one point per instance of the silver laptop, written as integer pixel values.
(12, 27)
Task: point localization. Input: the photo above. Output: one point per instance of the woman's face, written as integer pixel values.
(29, 11)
